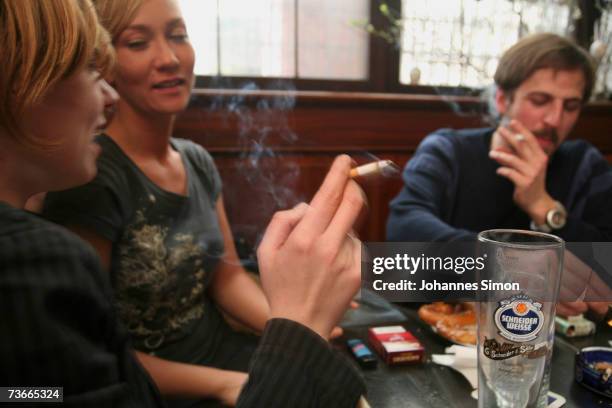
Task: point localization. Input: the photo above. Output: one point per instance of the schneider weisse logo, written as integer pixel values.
(519, 318)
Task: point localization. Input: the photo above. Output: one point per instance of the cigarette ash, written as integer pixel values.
(390, 169)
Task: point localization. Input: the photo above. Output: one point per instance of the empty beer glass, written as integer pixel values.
(516, 308)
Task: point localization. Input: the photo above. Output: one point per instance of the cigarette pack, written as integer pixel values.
(396, 345)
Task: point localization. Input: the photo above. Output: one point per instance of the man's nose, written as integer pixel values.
(555, 114)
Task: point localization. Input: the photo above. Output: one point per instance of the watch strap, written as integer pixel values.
(540, 228)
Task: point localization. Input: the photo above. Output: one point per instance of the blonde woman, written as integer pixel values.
(155, 215)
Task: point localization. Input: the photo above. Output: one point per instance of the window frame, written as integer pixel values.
(380, 57)
(383, 66)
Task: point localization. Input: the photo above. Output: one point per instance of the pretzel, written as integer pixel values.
(457, 322)
(431, 314)
(459, 327)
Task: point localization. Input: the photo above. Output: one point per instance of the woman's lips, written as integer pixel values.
(169, 85)
(102, 126)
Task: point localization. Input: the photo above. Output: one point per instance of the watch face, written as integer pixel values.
(556, 218)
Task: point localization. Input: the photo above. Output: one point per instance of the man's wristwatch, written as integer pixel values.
(555, 219)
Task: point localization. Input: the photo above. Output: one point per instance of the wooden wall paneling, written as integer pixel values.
(254, 189)
(301, 139)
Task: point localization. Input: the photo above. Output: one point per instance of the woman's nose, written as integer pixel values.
(110, 95)
(165, 57)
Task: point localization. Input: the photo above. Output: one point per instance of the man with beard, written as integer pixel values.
(521, 175)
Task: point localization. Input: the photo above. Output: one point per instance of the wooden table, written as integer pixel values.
(430, 385)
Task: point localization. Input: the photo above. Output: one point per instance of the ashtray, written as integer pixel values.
(594, 369)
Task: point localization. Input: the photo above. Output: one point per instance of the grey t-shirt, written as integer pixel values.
(165, 249)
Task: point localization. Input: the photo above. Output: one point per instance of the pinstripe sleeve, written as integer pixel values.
(57, 325)
(295, 367)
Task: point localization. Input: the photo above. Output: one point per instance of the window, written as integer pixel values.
(315, 44)
(459, 44)
(279, 38)
(602, 50)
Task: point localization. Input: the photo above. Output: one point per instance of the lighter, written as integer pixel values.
(362, 353)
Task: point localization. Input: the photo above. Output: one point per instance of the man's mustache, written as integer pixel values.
(550, 134)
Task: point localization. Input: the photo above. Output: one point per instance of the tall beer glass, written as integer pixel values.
(516, 309)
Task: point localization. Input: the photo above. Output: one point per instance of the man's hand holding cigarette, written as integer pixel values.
(524, 162)
(309, 261)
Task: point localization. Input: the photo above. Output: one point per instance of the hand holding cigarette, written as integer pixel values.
(310, 263)
(524, 162)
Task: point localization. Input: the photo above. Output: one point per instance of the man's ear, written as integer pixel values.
(501, 101)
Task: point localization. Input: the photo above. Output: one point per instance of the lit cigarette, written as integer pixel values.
(384, 167)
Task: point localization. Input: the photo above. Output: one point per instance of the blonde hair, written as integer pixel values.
(116, 15)
(43, 42)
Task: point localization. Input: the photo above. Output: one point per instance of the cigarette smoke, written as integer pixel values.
(268, 179)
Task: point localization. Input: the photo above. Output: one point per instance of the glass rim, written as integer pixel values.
(549, 241)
